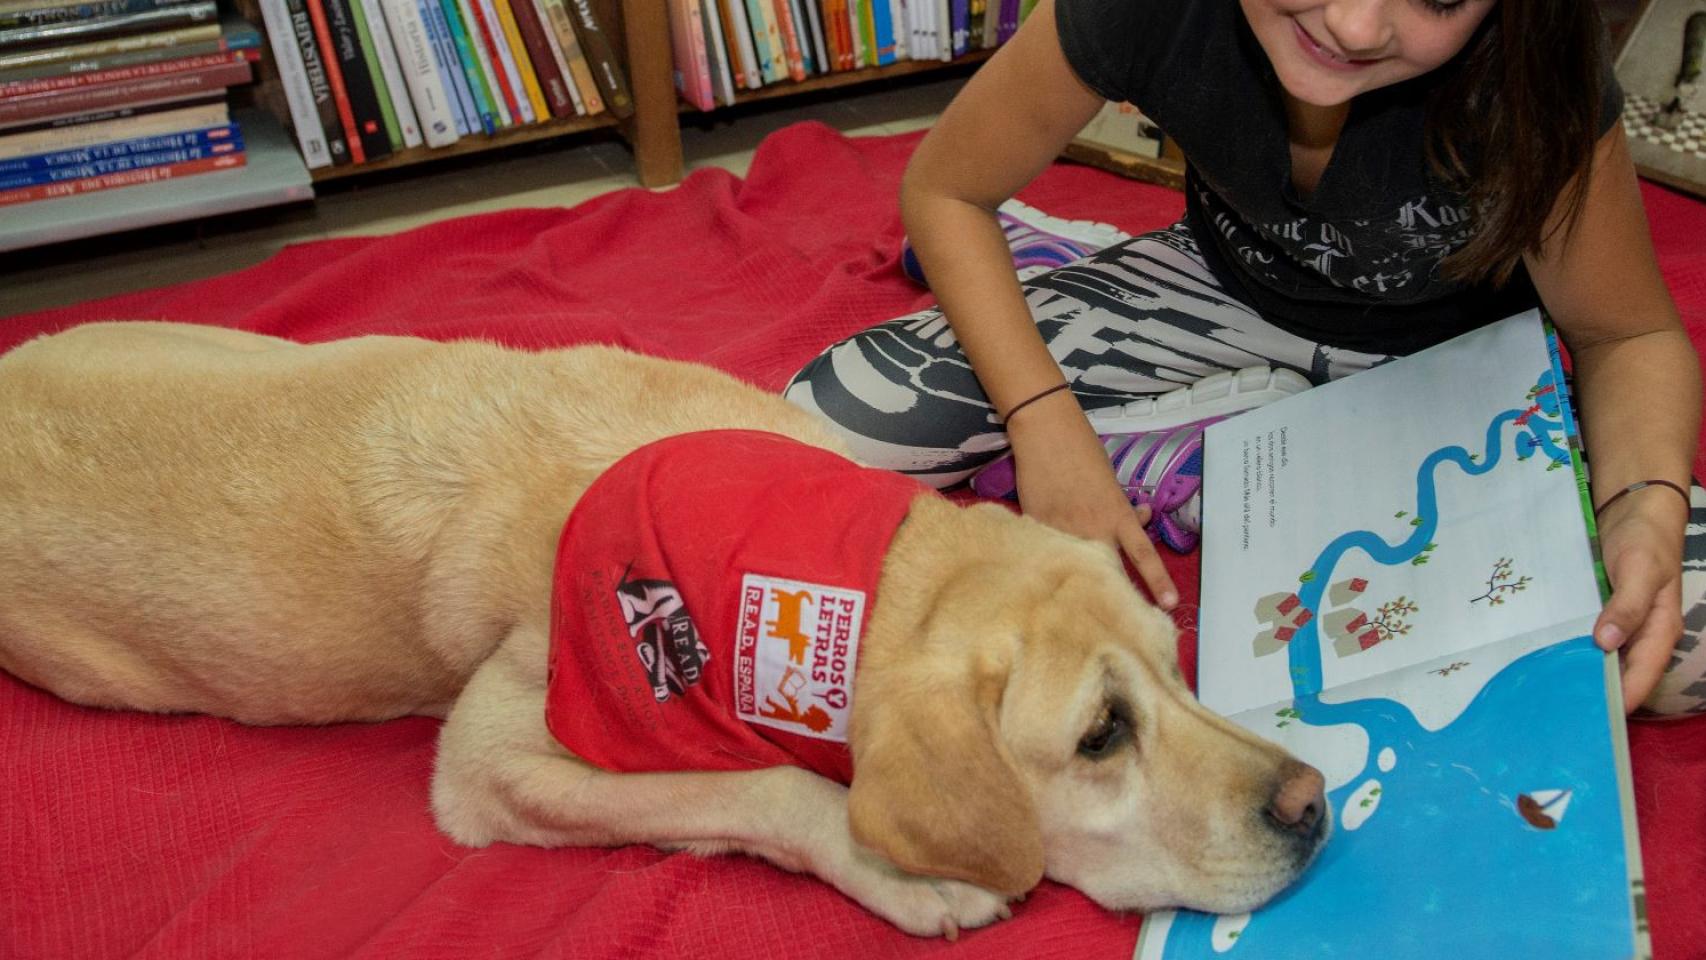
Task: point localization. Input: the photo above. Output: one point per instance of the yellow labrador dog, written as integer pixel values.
(200, 520)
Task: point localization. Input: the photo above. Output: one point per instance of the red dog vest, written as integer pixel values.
(709, 597)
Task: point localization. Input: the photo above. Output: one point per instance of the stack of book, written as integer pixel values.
(112, 93)
(722, 47)
(367, 78)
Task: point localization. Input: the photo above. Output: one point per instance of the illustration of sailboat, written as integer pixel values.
(1543, 809)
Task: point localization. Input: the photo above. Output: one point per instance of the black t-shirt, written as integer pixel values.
(1353, 265)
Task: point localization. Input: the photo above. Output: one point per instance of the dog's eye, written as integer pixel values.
(1111, 730)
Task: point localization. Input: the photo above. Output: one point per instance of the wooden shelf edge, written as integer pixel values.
(560, 127)
(830, 81)
(1164, 171)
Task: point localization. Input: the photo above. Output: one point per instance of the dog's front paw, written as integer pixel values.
(922, 906)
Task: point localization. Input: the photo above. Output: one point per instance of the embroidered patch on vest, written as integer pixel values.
(667, 642)
(795, 648)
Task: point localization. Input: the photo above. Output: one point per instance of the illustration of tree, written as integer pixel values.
(1501, 583)
(1389, 617)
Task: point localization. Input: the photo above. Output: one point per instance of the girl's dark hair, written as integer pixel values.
(1515, 125)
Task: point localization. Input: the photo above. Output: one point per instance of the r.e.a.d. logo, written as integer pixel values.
(669, 646)
(795, 649)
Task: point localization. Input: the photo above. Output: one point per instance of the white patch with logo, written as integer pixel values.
(795, 648)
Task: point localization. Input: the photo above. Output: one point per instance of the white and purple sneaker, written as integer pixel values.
(1039, 242)
(1155, 445)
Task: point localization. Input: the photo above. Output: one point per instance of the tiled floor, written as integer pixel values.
(548, 174)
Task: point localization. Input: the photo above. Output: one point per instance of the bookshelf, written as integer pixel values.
(273, 175)
(653, 132)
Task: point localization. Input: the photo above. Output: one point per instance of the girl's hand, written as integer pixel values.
(1065, 480)
(1641, 540)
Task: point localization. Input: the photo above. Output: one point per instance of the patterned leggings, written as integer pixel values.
(1140, 318)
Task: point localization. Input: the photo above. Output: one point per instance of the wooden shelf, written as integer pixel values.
(830, 81)
(272, 175)
(1167, 170)
(558, 127)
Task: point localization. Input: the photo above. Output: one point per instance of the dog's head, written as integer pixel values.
(1026, 717)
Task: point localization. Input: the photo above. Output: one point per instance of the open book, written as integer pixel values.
(1400, 580)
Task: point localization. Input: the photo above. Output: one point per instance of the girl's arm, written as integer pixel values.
(1639, 383)
(1008, 123)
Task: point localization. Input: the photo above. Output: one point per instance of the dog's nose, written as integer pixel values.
(1300, 799)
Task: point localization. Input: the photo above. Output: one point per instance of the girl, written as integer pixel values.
(1366, 178)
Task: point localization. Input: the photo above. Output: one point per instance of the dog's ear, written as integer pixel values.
(935, 792)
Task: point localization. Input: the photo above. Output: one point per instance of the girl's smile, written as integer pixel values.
(1325, 52)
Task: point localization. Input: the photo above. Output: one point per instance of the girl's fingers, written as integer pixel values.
(1138, 548)
(1647, 656)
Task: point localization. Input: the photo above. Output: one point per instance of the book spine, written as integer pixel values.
(726, 42)
(101, 168)
(855, 34)
(115, 149)
(523, 63)
(882, 32)
(23, 88)
(293, 76)
(550, 79)
(776, 69)
(85, 99)
(376, 75)
(803, 30)
(112, 45)
(48, 13)
(456, 91)
(86, 29)
(814, 25)
(760, 41)
(563, 25)
(944, 30)
(151, 112)
(479, 97)
(961, 14)
(95, 134)
(125, 179)
(722, 78)
(503, 62)
(897, 17)
(491, 70)
(415, 58)
(844, 29)
(334, 77)
(559, 55)
(612, 82)
(319, 81)
(395, 87)
(358, 84)
(790, 39)
(71, 69)
(743, 39)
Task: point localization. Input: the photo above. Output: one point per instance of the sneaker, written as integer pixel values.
(1155, 445)
(1039, 242)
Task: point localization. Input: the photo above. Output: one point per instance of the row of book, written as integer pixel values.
(99, 94)
(365, 78)
(722, 47)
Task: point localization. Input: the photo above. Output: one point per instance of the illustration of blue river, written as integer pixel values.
(1452, 862)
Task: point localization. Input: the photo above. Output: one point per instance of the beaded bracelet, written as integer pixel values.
(1008, 418)
(1640, 485)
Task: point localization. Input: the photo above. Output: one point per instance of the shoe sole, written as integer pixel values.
(1216, 395)
(1085, 232)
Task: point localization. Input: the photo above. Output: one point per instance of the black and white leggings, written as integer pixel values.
(1140, 318)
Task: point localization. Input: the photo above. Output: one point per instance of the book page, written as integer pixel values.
(1422, 508)
(1399, 586)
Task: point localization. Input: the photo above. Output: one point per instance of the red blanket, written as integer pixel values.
(135, 835)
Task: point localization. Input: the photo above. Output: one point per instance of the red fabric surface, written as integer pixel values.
(185, 837)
